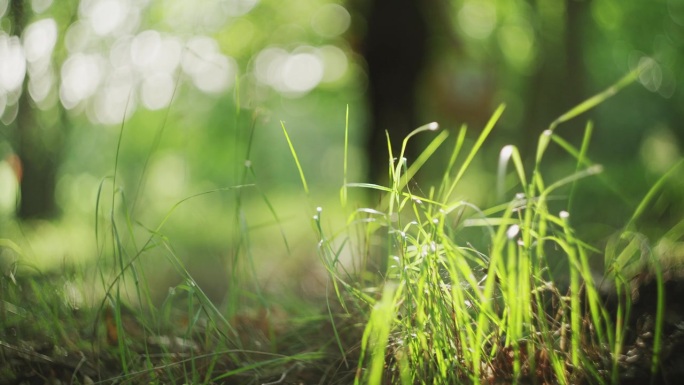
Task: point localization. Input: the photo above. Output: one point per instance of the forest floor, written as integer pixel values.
(44, 340)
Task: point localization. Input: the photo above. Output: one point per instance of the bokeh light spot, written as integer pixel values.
(105, 16)
(211, 71)
(169, 176)
(77, 37)
(517, 43)
(40, 6)
(81, 75)
(145, 47)
(39, 39)
(237, 8)
(335, 63)
(302, 72)
(12, 64)
(169, 55)
(3, 7)
(292, 74)
(156, 91)
(10, 188)
(607, 14)
(659, 151)
(330, 20)
(477, 18)
(39, 87)
(652, 76)
(268, 64)
(113, 104)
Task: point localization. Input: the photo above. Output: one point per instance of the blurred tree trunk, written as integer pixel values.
(575, 14)
(40, 154)
(39, 144)
(557, 84)
(395, 49)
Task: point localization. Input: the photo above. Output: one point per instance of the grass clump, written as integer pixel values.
(520, 306)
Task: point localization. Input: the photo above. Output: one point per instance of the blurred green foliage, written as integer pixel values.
(191, 118)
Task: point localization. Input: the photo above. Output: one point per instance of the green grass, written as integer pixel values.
(412, 297)
(446, 312)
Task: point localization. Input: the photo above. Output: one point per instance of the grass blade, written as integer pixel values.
(296, 159)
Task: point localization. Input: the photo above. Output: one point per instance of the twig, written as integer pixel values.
(282, 378)
(27, 352)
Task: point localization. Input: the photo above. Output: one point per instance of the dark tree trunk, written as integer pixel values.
(395, 49)
(39, 147)
(575, 13)
(40, 157)
(557, 84)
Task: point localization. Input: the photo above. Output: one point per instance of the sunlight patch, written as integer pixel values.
(659, 151)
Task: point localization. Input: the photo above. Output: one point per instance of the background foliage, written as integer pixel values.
(196, 91)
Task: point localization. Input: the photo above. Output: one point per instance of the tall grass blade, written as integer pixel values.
(452, 161)
(296, 159)
(652, 194)
(602, 96)
(476, 147)
(508, 153)
(343, 191)
(375, 336)
(581, 159)
(584, 161)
